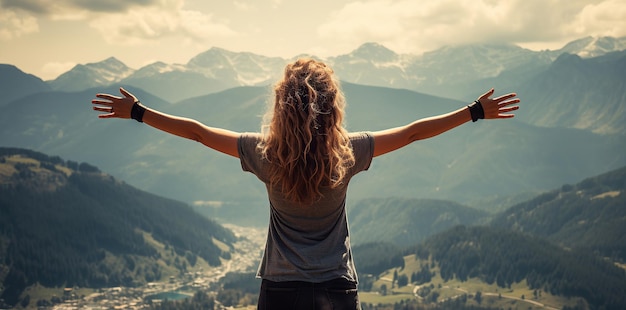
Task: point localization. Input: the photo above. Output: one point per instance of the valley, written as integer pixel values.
(244, 259)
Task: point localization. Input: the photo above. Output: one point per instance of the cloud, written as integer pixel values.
(139, 26)
(202, 25)
(118, 21)
(164, 18)
(15, 24)
(417, 26)
(51, 7)
(605, 18)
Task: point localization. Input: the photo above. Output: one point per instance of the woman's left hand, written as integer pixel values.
(114, 106)
(499, 107)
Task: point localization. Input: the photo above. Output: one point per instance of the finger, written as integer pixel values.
(509, 109)
(505, 97)
(110, 115)
(101, 102)
(125, 93)
(488, 94)
(506, 115)
(510, 102)
(103, 109)
(108, 97)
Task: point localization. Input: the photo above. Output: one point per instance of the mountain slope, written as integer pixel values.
(579, 93)
(67, 224)
(590, 215)
(100, 74)
(593, 46)
(17, 84)
(208, 72)
(407, 221)
(505, 257)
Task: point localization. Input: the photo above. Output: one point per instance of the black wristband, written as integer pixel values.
(137, 111)
(476, 111)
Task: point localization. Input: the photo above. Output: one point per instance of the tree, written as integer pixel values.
(383, 289)
(478, 297)
(403, 280)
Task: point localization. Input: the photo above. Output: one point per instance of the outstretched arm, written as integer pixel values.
(222, 140)
(392, 139)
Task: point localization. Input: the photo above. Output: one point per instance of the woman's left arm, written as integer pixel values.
(219, 139)
(391, 139)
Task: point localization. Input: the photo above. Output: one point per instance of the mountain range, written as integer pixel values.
(570, 125)
(442, 72)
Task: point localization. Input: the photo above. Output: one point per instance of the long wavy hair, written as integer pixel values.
(304, 137)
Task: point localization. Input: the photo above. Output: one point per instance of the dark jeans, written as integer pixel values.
(338, 294)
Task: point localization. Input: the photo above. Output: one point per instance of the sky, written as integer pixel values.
(49, 37)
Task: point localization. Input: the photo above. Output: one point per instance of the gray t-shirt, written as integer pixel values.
(307, 243)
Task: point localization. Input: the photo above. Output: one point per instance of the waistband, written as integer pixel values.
(335, 283)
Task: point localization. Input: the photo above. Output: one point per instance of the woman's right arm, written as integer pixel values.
(219, 139)
(389, 140)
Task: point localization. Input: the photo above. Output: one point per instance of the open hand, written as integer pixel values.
(499, 107)
(114, 106)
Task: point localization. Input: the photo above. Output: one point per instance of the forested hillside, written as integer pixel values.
(590, 215)
(504, 257)
(567, 243)
(407, 222)
(68, 224)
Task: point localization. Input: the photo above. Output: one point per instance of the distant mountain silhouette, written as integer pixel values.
(17, 84)
(443, 72)
(575, 92)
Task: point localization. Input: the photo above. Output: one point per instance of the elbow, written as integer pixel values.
(415, 137)
(195, 136)
(196, 133)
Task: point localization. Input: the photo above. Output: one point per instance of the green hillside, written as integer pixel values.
(407, 222)
(505, 258)
(65, 224)
(562, 250)
(488, 268)
(590, 215)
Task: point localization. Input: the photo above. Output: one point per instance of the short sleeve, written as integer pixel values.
(248, 155)
(363, 148)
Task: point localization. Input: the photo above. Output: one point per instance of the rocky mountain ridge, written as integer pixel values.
(433, 72)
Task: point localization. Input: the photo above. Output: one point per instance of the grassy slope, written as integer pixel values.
(510, 297)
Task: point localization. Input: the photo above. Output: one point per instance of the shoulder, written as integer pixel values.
(361, 139)
(248, 142)
(362, 136)
(363, 148)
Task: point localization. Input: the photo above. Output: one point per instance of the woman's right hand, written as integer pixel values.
(114, 106)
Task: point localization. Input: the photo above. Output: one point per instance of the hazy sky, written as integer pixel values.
(48, 37)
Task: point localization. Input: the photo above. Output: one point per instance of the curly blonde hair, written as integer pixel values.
(304, 137)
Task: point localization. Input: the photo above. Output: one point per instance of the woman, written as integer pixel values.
(306, 159)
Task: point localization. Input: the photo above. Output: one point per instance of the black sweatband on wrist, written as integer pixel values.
(137, 111)
(476, 110)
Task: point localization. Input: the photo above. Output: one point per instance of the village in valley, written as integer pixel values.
(244, 259)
